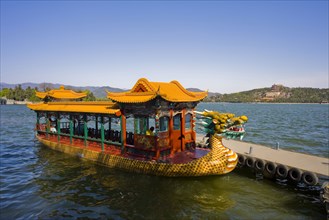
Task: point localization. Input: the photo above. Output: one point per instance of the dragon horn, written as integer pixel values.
(197, 112)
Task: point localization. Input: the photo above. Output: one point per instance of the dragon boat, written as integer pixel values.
(115, 133)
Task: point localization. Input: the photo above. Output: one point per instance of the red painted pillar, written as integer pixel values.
(193, 121)
(183, 129)
(171, 128)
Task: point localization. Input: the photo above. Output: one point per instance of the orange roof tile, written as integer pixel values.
(144, 91)
(61, 93)
(85, 107)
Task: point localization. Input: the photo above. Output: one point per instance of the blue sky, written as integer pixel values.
(222, 46)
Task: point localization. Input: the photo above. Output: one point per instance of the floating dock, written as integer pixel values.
(278, 163)
(305, 162)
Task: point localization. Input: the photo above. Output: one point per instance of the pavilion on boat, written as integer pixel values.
(121, 125)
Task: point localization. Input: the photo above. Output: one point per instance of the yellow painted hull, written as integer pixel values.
(220, 160)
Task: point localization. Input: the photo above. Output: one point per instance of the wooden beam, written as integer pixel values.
(123, 132)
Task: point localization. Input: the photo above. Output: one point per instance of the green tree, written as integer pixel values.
(29, 92)
(31, 95)
(10, 94)
(4, 92)
(19, 93)
(90, 96)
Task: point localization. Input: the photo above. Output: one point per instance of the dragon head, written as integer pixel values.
(222, 124)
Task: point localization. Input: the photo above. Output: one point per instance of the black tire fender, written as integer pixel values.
(250, 162)
(241, 160)
(310, 178)
(295, 174)
(260, 165)
(270, 168)
(282, 171)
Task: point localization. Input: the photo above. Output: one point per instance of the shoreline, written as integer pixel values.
(13, 102)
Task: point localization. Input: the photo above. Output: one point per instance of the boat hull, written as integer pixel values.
(220, 160)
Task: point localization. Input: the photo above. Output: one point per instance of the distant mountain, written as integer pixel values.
(24, 85)
(210, 94)
(98, 91)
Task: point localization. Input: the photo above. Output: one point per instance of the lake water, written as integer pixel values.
(39, 183)
(297, 127)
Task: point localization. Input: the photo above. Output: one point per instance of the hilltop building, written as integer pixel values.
(276, 92)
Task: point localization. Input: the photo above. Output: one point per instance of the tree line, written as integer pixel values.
(28, 94)
(287, 95)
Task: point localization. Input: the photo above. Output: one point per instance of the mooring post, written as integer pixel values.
(277, 145)
(250, 150)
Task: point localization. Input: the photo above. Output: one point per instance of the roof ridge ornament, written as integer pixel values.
(158, 91)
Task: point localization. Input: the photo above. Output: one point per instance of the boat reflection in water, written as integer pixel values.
(73, 188)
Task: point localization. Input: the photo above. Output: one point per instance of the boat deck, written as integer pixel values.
(187, 156)
(177, 158)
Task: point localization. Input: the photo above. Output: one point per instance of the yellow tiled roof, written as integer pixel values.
(61, 94)
(144, 91)
(41, 95)
(85, 107)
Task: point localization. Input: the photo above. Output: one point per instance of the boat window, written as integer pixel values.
(177, 122)
(188, 119)
(112, 128)
(130, 124)
(94, 124)
(78, 124)
(91, 119)
(107, 123)
(53, 120)
(64, 124)
(164, 122)
(98, 123)
(116, 123)
(140, 125)
(42, 122)
(152, 124)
